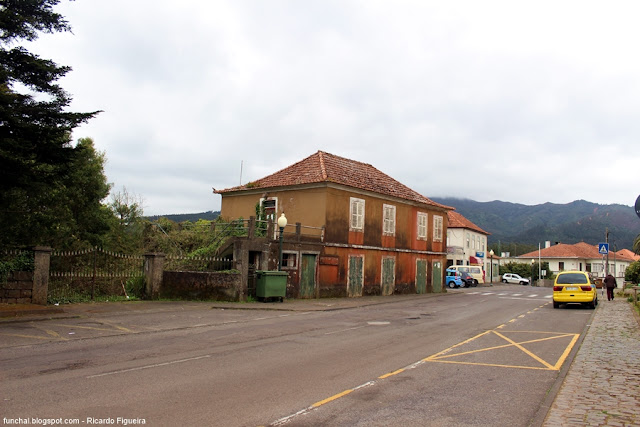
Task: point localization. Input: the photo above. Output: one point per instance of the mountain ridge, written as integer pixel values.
(574, 222)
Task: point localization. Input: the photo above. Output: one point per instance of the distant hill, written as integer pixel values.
(578, 221)
(210, 216)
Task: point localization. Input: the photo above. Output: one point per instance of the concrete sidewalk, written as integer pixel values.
(602, 386)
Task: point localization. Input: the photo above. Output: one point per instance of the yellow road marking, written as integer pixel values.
(26, 336)
(446, 354)
(122, 328)
(457, 345)
(332, 398)
(492, 364)
(84, 327)
(55, 334)
(438, 357)
(566, 352)
(390, 374)
(524, 350)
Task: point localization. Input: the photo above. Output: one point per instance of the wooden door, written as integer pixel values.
(355, 279)
(421, 276)
(436, 277)
(308, 276)
(388, 275)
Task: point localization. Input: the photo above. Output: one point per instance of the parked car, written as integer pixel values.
(454, 280)
(468, 279)
(475, 271)
(514, 278)
(574, 287)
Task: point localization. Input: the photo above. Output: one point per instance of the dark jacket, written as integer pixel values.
(610, 281)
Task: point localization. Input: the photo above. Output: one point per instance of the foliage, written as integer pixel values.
(261, 220)
(127, 224)
(135, 288)
(194, 217)
(632, 274)
(36, 154)
(22, 261)
(200, 239)
(525, 270)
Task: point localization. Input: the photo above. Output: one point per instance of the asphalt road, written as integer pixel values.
(479, 356)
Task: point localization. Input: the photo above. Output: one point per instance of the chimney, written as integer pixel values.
(547, 244)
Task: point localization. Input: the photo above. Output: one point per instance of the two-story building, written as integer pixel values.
(466, 243)
(379, 237)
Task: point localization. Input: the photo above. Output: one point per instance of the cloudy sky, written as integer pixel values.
(526, 102)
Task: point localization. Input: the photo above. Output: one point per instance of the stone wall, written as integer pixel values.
(26, 287)
(18, 288)
(196, 285)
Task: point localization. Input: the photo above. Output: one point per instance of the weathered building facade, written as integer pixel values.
(358, 231)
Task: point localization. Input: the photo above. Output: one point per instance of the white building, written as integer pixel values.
(467, 244)
(581, 257)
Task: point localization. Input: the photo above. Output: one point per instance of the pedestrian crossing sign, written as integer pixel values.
(603, 248)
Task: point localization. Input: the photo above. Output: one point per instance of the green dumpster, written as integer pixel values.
(271, 284)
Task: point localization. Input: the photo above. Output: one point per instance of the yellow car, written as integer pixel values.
(574, 287)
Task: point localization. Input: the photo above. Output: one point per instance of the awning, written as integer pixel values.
(474, 260)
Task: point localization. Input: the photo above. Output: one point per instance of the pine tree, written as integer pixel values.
(35, 129)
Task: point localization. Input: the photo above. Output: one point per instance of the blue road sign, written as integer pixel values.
(603, 248)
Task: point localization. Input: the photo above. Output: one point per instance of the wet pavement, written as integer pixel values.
(600, 388)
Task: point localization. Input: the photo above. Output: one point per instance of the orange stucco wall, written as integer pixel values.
(330, 207)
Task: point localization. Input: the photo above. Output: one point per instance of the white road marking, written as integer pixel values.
(155, 365)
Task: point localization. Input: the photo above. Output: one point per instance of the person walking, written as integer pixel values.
(610, 283)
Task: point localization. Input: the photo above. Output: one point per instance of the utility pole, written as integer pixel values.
(606, 239)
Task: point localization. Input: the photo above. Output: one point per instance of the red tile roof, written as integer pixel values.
(456, 220)
(627, 254)
(326, 167)
(580, 250)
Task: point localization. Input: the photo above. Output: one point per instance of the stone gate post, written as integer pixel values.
(153, 270)
(41, 264)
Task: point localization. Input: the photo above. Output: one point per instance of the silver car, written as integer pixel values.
(514, 278)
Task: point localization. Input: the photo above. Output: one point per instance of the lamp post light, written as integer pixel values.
(282, 223)
(532, 270)
(491, 265)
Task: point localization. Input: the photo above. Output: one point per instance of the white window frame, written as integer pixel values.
(356, 214)
(422, 226)
(388, 220)
(438, 225)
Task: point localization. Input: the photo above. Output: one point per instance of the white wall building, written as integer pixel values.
(581, 257)
(467, 244)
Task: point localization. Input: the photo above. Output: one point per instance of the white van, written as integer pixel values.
(474, 270)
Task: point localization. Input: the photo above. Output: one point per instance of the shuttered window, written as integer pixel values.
(422, 226)
(389, 220)
(356, 214)
(437, 228)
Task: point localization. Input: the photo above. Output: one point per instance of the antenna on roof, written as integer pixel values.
(241, 162)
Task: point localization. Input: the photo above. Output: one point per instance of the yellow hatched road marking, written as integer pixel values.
(539, 359)
(447, 353)
(27, 336)
(93, 328)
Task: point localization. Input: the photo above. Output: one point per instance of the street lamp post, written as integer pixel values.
(282, 223)
(532, 270)
(491, 265)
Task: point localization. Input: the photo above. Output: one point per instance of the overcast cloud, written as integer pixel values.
(526, 102)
